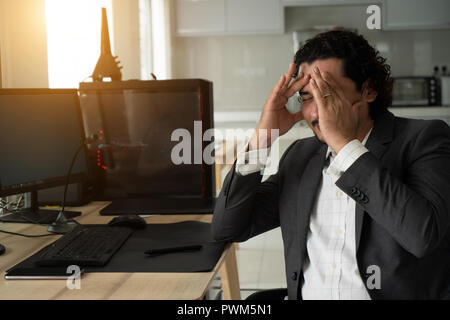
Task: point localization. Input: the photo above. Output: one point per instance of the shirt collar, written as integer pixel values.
(333, 154)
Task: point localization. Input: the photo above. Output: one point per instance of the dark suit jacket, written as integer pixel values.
(402, 194)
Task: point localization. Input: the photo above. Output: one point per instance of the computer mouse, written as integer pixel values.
(131, 221)
(2, 249)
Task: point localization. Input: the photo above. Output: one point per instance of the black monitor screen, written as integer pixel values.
(136, 121)
(40, 131)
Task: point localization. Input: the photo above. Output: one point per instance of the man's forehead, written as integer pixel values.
(333, 66)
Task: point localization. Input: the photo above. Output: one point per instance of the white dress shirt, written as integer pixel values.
(330, 271)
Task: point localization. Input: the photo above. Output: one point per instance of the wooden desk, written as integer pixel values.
(100, 286)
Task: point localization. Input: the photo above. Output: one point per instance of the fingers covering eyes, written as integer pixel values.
(298, 84)
(322, 85)
(333, 85)
(317, 94)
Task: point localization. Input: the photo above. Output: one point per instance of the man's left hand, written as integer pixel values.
(338, 117)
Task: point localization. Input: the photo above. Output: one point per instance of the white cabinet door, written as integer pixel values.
(327, 2)
(228, 17)
(255, 16)
(200, 17)
(416, 14)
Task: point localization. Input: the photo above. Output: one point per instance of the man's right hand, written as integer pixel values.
(275, 115)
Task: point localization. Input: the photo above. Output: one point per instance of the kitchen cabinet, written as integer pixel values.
(228, 17)
(416, 14)
(200, 17)
(235, 17)
(293, 3)
(396, 14)
(255, 16)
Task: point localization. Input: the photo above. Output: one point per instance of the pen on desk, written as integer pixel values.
(174, 249)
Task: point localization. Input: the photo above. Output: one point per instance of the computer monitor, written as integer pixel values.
(136, 122)
(40, 131)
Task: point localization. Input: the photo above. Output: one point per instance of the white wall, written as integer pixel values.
(243, 69)
(23, 47)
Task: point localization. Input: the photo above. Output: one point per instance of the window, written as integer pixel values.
(161, 38)
(145, 38)
(155, 43)
(73, 39)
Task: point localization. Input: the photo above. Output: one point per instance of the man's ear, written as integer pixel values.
(368, 92)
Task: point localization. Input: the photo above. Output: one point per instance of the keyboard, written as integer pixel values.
(90, 245)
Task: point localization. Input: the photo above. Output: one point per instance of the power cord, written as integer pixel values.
(62, 224)
(29, 235)
(18, 210)
(5, 205)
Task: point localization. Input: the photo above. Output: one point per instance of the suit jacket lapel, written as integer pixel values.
(307, 192)
(382, 134)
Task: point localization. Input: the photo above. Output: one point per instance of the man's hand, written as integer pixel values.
(338, 117)
(275, 115)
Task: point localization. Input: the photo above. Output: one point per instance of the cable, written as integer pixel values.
(63, 225)
(19, 202)
(63, 204)
(20, 212)
(91, 139)
(28, 235)
(5, 205)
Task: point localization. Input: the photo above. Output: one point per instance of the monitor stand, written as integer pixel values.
(34, 214)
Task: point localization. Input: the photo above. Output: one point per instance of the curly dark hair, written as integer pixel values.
(361, 62)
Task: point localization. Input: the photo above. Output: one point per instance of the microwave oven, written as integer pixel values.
(415, 91)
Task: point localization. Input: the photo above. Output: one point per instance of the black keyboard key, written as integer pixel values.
(85, 246)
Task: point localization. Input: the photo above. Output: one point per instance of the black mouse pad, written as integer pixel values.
(131, 257)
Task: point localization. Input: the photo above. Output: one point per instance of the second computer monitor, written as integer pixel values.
(139, 125)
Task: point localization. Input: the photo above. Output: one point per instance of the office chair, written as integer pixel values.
(270, 294)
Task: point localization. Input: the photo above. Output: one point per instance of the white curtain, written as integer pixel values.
(155, 39)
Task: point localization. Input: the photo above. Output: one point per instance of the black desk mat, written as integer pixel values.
(131, 258)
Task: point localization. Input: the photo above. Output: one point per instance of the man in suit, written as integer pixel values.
(364, 206)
